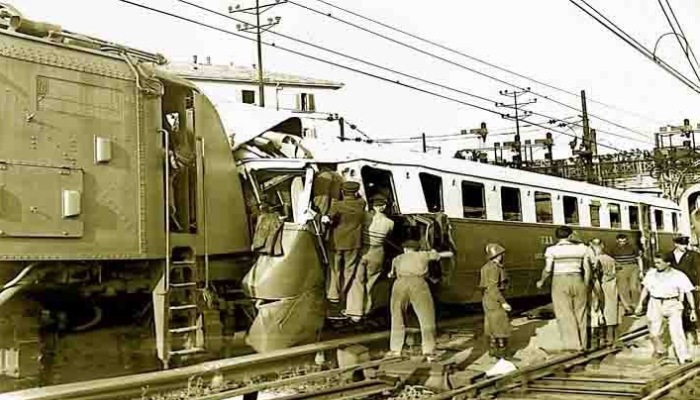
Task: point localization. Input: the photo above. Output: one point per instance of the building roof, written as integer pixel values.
(240, 74)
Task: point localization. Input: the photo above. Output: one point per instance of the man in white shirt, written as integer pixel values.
(569, 263)
(667, 287)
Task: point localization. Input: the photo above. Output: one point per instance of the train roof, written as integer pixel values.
(334, 152)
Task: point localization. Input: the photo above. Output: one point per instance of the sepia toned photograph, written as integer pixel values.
(336, 199)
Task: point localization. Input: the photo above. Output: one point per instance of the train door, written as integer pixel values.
(648, 239)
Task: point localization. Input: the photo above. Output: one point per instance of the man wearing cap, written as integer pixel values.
(346, 217)
(630, 269)
(667, 288)
(376, 228)
(410, 287)
(326, 188)
(688, 262)
(569, 263)
(493, 282)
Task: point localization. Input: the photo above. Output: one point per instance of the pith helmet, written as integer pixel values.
(494, 250)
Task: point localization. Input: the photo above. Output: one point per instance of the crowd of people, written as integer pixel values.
(593, 287)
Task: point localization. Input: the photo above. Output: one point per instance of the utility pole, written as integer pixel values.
(588, 145)
(258, 28)
(516, 146)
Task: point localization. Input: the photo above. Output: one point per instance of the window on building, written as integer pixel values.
(615, 216)
(510, 204)
(659, 217)
(473, 200)
(571, 210)
(674, 221)
(248, 96)
(634, 217)
(543, 207)
(594, 209)
(432, 191)
(306, 102)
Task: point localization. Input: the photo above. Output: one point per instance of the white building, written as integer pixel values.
(240, 84)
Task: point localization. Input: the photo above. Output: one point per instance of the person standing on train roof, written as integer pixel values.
(569, 265)
(688, 262)
(493, 281)
(630, 269)
(345, 217)
(667, 288)
(410, 287)
(376, 228)
(606, 275)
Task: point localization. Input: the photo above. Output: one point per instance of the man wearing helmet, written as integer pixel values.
(493, 282)
(410, 287)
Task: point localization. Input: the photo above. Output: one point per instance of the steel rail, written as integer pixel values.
(522, 377)
(135, 386)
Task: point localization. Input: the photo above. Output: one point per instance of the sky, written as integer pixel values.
(551, 41)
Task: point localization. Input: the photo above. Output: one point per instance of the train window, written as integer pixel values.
(659, 217)
(380, 182)
(473, 200)
(674, 221)
(571, 210)
(634, 217)
(543, 207)
(432, 190)
(510, 204)
(594, 209)
(615, 216)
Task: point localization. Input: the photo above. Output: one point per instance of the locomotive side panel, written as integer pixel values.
(69, 158)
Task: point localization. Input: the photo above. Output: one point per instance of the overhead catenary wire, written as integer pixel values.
(459, 65)
(356, 70)
(479, 60)
(617, 31)
(689, 47)
(686, 50)
(394, 71)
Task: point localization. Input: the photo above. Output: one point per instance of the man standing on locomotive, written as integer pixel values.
(569, 265)
(346, 217)
(667, 288)
(630, 269)
(410, 287)
(493, 281)
(376, 228)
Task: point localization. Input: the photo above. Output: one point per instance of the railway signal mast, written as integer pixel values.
(515, 146)
(258, 28)
(589, 148)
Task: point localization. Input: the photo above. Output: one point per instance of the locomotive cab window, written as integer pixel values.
(634, 217)
(380, 182)
(510, 204)
(432, 191)
(615, 216)
(659, 217)
(571, 210)
(281, 190)
(594, 209)
(473, 200)
(543, 207)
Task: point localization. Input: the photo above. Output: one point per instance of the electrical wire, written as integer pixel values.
(473, 58)
(617, 31)
(685, 49)
(308, 56)
(410, 76)
(459, 65)
(687, 42)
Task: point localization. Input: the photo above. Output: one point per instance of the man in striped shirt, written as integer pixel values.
(630, 270)
(569, 263)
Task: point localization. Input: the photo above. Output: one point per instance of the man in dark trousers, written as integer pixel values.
(687, 261)
(630, 269)
(346, 217)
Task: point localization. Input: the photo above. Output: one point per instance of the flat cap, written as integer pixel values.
(378, 200)
(350, 186)
(685, 240)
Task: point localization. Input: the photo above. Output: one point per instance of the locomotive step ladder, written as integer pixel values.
(179, 310)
